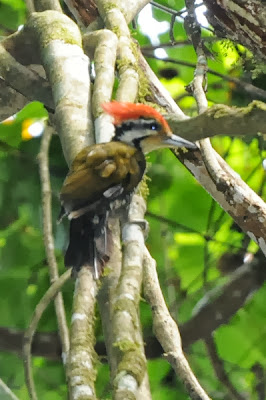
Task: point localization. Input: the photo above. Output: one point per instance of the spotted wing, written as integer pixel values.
(108, 171)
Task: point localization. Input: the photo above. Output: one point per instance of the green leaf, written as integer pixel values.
(12, 13)
(19, 127)
(34, 110)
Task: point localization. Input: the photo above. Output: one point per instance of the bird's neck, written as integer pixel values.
(125, 134)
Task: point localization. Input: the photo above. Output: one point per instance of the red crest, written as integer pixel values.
(126, 111)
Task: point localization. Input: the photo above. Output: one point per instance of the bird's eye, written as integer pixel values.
(154, 126)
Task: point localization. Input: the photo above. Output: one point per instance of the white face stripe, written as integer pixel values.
(132, 130)
(130, 136)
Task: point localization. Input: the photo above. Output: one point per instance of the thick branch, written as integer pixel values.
(87, 16)
(221, 303)
(128, 341)
(222, 120)
(158, 92)
(23, 47)
(66, 66)
(107, 292)
(234, 196)
(243, 21)
(43, 5)
(103, 45)
(85, 13)
(114, 20)
(11, 101)
(82, 357)
(23, 79)
(124, 341)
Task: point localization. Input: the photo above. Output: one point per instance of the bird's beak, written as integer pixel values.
(176, 141)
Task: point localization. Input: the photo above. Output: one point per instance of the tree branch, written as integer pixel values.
(86, 13)
(222, 120)
(198, 89)
(126, 358)
(114, 20)
(220, 372)
(49, 241)
(241, 21)
(11, 101)
(157, 92)
(246, 87)
(24, 80)
(245, 281)
(233, 194)
(259, 372)
(126, 328)
(82, 357)
(66, 66)
(6, 391)
(29, 333)
(222, 301)
(235, 197)
(167, 332)
(43, 5)
(103, 45)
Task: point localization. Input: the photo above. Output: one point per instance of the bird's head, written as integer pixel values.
(142, 126)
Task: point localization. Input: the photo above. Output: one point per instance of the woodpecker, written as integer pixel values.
(103, 178)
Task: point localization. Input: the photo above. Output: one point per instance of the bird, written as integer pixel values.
(103, 177)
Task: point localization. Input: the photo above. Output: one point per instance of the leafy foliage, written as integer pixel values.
(16, 128)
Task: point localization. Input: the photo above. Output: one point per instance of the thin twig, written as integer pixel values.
(167, 9)
(173, 223)
(167, 332)
(234, 196)
(259, 372)
(184, 228)
(220, 372)
(171, 10)
(215, 165)
(198, 88)
(176, 43)
(7, 391)
(29, 333)
(49, 241)
(254, 91)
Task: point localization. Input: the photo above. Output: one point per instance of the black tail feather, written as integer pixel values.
(88, 245)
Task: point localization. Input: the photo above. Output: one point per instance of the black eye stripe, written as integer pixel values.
(148, 124)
